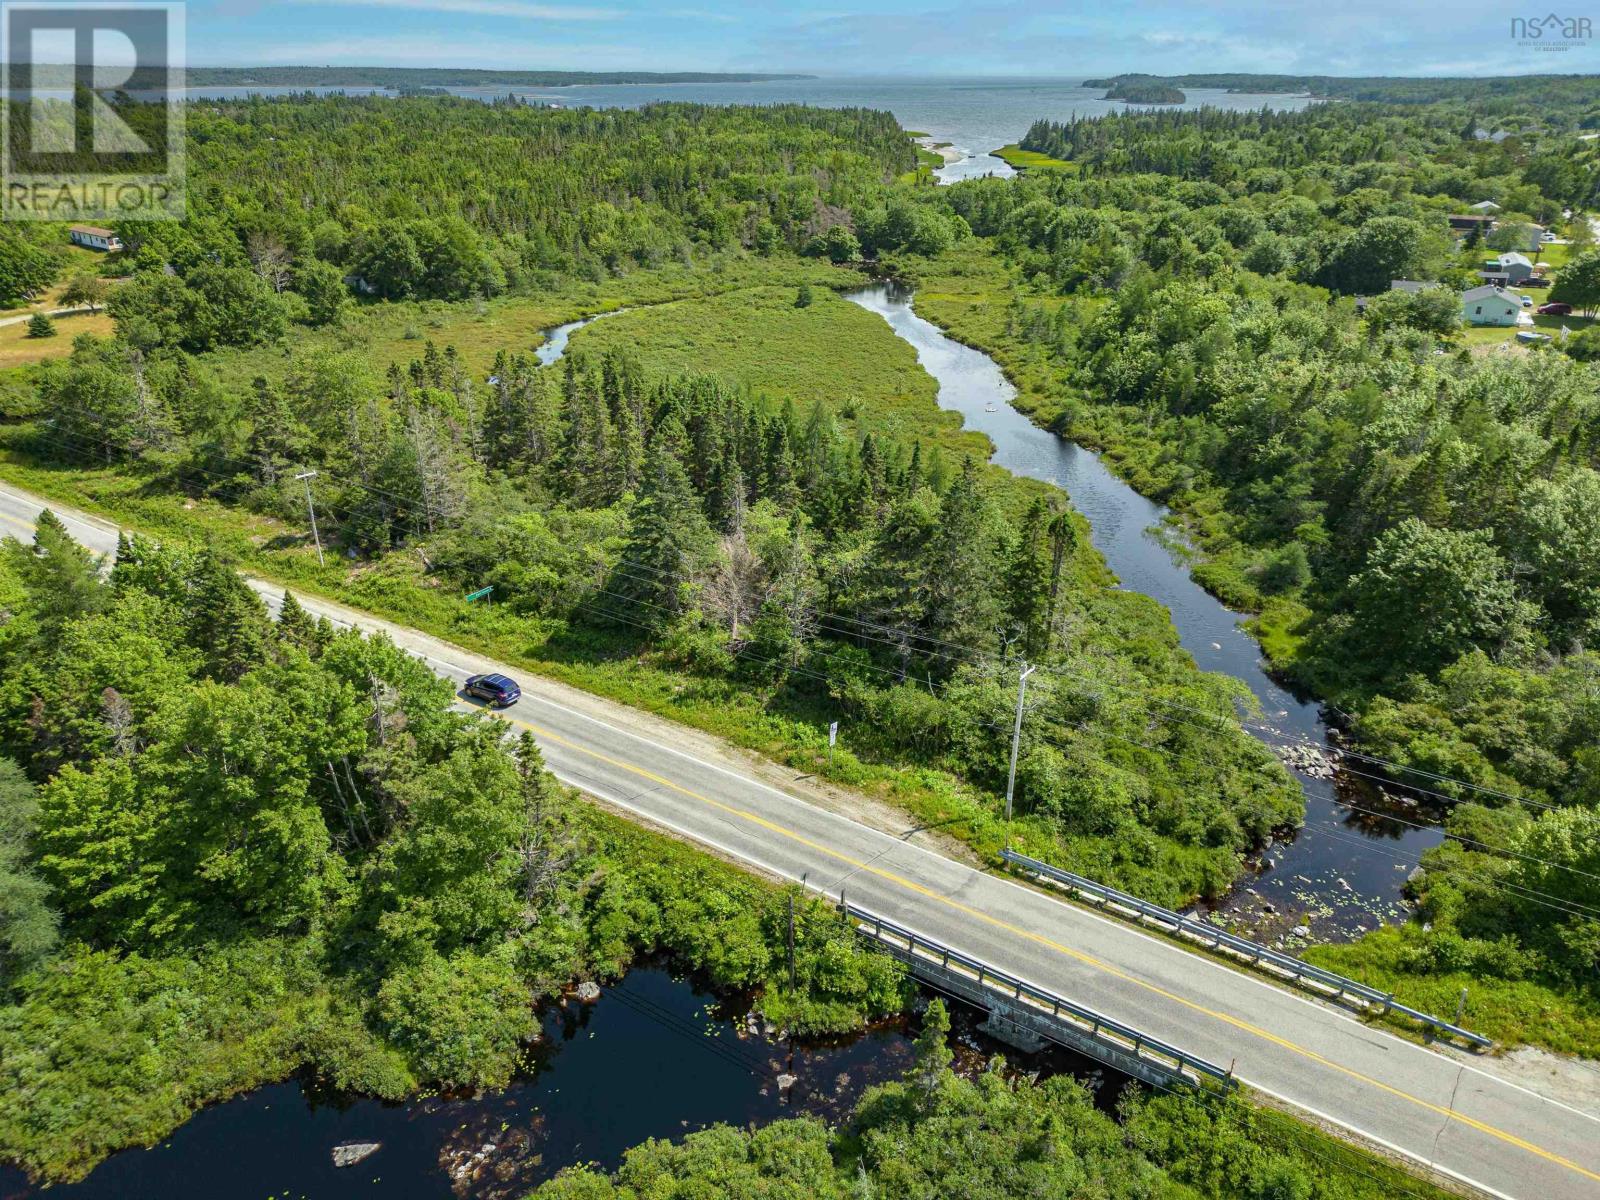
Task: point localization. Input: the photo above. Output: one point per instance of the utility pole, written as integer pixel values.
(306, 477)
(1016, 739)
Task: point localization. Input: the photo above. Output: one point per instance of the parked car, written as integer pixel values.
(1527, 302)
(1554, 309)
(1547, 236)
(1536, 281)
(498, 691)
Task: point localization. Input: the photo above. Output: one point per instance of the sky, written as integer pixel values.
(892, 37)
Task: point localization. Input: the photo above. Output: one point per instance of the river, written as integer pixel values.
(1346, 867)
(655, 1056)
(555, 340)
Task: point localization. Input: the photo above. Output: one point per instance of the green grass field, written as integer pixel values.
(18, 349)
(1503, 335)
(396, 333)
(832, 351)
(1557, 256)
(1029, 160)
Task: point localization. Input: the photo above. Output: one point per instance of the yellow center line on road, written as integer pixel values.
(30, 526)
(1088, 959)
(1038, 938)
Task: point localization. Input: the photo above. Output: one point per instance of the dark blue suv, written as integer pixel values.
(500, 691)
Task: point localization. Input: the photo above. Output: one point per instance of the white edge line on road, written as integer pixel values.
(1408, 1155)
(1037, 893)
(1387, 1145)
(371, 621)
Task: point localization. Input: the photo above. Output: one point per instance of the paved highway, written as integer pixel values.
(1440, 1109)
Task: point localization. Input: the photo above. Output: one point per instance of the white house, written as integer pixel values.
(1488, 305)
(94, 237)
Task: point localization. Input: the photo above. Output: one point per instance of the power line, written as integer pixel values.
(971, 657)
(1337, 752)
(912, 636)
(1521, 892)
(1368, 845)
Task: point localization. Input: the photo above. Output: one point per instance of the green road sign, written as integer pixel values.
(480, 594)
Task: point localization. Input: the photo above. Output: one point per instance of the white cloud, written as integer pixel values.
(488, 8)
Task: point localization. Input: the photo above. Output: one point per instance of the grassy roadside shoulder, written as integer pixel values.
(399, 589)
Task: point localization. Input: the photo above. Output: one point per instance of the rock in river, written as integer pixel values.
(348, 1154)
(588, 991)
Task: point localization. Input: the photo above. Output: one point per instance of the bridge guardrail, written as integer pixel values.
(914, 947)
(1255, 952)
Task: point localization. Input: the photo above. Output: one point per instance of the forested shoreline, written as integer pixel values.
(936, 1133)
(1410, 519)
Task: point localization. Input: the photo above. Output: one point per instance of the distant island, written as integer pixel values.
(1536, 89)
(439, 77)
(1145, 92)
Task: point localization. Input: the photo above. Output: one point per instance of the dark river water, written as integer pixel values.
(653, 1057)
(1346, 867)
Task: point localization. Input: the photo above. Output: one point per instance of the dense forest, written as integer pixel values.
(306, 198)
(233, 846)
(306, 192)
(1427, 157)
(1415, 521)
(1144, 92)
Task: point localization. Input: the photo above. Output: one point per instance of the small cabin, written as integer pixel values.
(1488, 305)
(92, 237)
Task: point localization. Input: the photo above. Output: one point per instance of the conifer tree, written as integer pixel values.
(667, 539)
(932, 1051)
(62, 578)
(1027, 581)
(226, 619)
(297, 627)
(960, 605)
